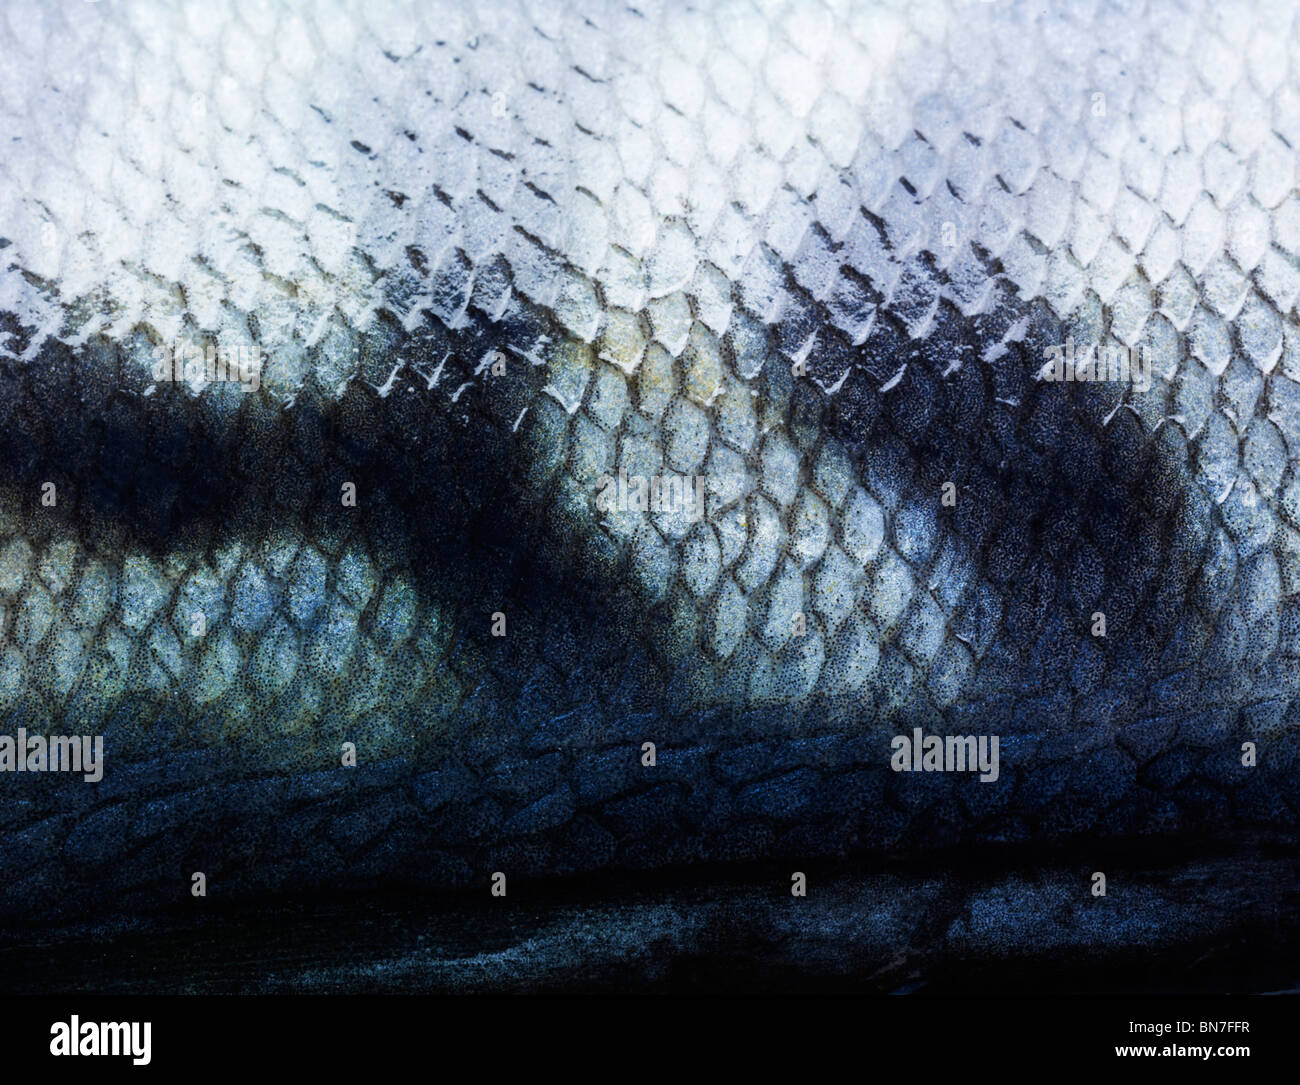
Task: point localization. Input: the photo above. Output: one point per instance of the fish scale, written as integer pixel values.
(813, 254)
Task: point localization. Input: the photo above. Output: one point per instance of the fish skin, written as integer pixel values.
(650, 215)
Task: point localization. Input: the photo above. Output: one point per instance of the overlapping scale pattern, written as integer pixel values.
(811, 254)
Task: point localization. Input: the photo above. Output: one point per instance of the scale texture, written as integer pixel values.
(814, 255)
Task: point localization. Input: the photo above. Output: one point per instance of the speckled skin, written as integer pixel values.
(814, 254)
